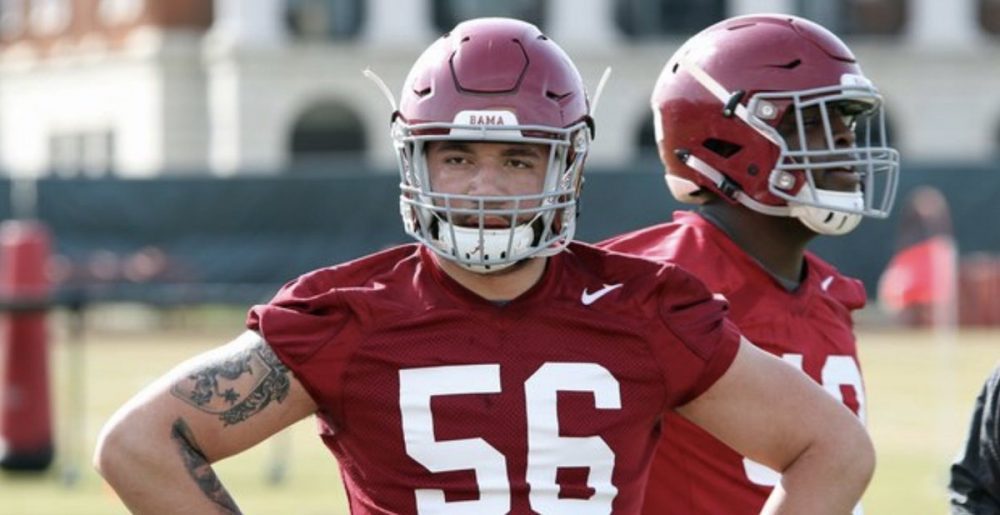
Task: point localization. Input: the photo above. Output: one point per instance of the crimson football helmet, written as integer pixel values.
(493, 80)
(734, 108)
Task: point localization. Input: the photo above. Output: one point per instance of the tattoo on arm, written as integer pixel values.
(200, 470)
(238, 386)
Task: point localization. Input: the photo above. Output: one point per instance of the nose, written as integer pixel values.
(486, 179)
(486, 182)
(843, 132)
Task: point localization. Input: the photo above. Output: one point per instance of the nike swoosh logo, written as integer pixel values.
(588, 298)
(826, 282)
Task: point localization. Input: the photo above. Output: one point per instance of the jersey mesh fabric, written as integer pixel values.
(693, 473)
(350, 333)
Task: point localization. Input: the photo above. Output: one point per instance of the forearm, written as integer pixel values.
(827, 479)
(163, 475)
(157, 450)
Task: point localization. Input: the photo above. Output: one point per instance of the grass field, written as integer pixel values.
(920, 389)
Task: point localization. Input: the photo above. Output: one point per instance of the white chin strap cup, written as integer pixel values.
(484, 251)
(829, 221)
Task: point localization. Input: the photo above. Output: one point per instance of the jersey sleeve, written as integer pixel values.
(308, 327)
(699, 341)
(974, 486)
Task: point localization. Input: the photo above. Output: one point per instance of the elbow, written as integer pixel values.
(856, 453)
(108, 451)
(116, 448)
(868, 460)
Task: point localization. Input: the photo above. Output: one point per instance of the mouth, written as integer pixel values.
(838, 179)
(489, 222)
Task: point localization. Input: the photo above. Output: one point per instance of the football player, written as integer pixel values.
(496, 366)
(974, 484)
(769, 125)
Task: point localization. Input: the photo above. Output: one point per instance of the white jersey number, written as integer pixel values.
(547, 451)
(838, 371)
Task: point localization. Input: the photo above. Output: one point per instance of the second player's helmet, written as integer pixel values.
(493, 80)
(720, 101)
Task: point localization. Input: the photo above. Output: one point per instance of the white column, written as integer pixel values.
(243, 23)
(951, 24)
(224, 117)
(581, 23)
(740, 7)
(398, 23)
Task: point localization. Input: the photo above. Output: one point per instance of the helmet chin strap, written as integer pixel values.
(821, 220)
(483, 251)
(828, 221)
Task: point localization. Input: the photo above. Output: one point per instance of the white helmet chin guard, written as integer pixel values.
(833, 222)
(484, 250)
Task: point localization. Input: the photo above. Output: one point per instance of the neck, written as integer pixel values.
(503, 285)
(778, 243)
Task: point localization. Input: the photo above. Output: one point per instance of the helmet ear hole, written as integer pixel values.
(720, 147)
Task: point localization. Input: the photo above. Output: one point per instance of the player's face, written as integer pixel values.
(842, 134)
(487, 170)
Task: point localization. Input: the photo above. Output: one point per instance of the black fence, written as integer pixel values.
(235, 240)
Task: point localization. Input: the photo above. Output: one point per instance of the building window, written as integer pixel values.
(642, 19)
(11, 19)
(856, 17)
(448, 13)
(327, 132)
(989, 16)
(87, 154)
(50, 16)
(120, 12)
(324, 20)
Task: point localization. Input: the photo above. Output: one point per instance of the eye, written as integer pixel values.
(520, 163)
(455, 160)
(812, 120)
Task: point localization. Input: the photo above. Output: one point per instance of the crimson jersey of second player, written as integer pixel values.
(551, 403)
(811, 328)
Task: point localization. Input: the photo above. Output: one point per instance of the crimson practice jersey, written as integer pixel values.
(811, 328)
(434, 399)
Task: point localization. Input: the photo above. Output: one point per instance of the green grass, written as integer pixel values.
(921, 388)
(117, 365)
(920, 391)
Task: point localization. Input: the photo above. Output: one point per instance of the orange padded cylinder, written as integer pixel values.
(25, 405)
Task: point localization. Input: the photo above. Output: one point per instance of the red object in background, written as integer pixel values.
(979, 280)
(919, 286)
(25, 406)
(912, 276)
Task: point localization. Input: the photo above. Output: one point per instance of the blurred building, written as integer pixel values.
(142, 88)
